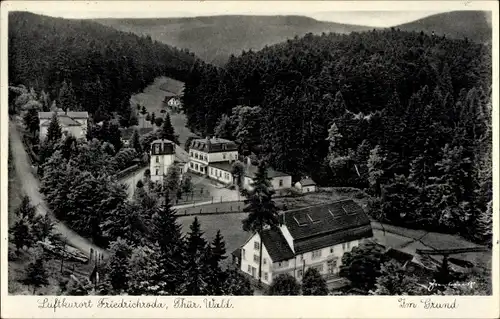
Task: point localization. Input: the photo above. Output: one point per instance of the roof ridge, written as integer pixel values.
(317, 205)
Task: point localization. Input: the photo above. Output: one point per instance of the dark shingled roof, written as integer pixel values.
(166, 147)
(250, 170)
(276, 245)
(71, 114)
(326, 225)
(213, 145)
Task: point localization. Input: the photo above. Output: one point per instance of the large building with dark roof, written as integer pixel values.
(311, 237)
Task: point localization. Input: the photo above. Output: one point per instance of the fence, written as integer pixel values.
(224, 208)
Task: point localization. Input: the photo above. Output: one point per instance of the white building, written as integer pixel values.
(316, 236)
(306, 185)
(221, 171)
(204, 152)
(73, 123)
(163, 156)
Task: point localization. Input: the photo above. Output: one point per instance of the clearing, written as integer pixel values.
(152, 98)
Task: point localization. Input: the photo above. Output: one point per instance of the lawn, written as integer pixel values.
(229, 225)
(152, 98)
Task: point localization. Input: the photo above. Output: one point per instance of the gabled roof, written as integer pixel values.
(63, 121)
(276, 245)
(325, 218)
(74, 115)
(213, 145)
(326, 225)
(307, 182)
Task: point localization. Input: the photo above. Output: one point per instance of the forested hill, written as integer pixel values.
(103, 66)
(404, 115)
(474, 25)
(215, 38)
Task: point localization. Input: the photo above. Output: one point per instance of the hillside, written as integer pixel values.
(474, 25)
(100, 66)
(215, 38)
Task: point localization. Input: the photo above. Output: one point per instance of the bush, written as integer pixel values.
(159, 121)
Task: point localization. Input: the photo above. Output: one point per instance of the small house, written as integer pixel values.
(306, 185)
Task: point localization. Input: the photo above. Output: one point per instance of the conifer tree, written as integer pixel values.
(167, 130)
(31, 121)
(259, 205)
(54, 132)
(117, 267)
(36, 274)
(216, 275)
(67, 99)
(42, 227)
(25, 210)
(21, 235)
(171, 247)
(196, 281)
(153, 118)
(135, 142)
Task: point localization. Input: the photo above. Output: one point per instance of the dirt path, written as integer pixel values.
(30, 186)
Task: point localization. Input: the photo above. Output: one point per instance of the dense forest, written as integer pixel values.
(101, 67)
(404, 115)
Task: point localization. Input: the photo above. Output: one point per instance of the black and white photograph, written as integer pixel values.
(192, 150)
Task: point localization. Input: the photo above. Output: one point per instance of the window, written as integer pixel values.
(243, 254)
(249, 269)
(157, 172)
(283, 264)
(211, 171)
(256, 245)
(256, 258)
(205, 158)
(281, 182)
(331, 250)
(343, 246)
(223, 155)
(191, 154)
(191, 165)
(157, 159)
(264, 261)
(265, 276)
(299, 273)
(348, 245)
(316, 254)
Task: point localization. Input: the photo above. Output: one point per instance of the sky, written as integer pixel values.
(371, 13)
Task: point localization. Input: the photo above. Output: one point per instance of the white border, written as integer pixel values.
(252, 307)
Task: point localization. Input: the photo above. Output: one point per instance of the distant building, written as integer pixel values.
(214, 157)
(203, 152)
(163, 157)
(71, 123)
(306, 185)
(311, 237)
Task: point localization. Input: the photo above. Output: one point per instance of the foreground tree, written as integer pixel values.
(54, 132)
(259, 205)
(36, 274)
(117, 268)
(284, 285)
(21, 235)
(362, 265)
(25, 209)
(167, 131)
(216, 276)
(313, 284)
(394, 280)
(197, 256)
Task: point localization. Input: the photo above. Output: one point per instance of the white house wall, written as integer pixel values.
(220, 175)
(295, 268)
(275, 182)
(164, 162)
(222, 156)
(247, 259)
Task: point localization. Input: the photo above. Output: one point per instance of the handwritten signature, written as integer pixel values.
(433, 285)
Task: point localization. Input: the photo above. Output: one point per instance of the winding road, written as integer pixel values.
(30, 186)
